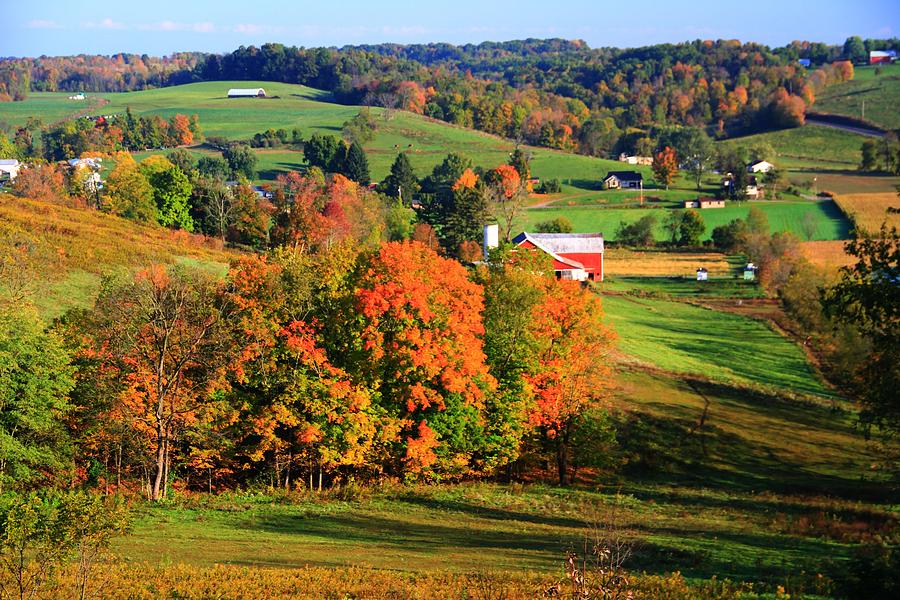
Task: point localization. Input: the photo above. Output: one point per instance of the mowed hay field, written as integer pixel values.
(783, 216)
(684, 338)
(71, 248)
(618, 261)
(826, 255)
(869, 211)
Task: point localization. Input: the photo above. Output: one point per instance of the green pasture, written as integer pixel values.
(808, 147)
(879, 92)
(684, 338)
(783, 216)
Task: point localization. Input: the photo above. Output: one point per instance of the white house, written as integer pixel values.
(760, 166)
(246, 93)
(616, 180)
(9, 168)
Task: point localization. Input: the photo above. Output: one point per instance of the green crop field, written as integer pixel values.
(879, 92)
(783, 216)
(683, 338)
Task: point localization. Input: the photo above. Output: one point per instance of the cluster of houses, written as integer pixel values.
(87, 168)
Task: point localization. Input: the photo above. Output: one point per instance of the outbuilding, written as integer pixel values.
(702, 274)
(760, 166)
(882, 56)
(246, 93)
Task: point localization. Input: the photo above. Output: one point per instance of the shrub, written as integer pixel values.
(558, 225)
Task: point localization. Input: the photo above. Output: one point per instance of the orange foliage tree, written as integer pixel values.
(164, 343)
(420, 351)
(665, 166)
(573, 374)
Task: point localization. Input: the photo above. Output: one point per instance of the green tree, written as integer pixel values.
(731, 236)
(241, 160)
(855, 50)
(182, 159)
(691, 228)
(127, 193)
(361, 128)
(868, 297)
(446, 173)
(35, 380)
(319, 150)
(757, 221)
(869, 160)
(557, 225)
(402, 181)
(639, 233)
(214, 167)
(356, 167)
(520, 161)
(171, 192)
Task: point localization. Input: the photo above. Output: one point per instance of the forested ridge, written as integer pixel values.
(554, 93)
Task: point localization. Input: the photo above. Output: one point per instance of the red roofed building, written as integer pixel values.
(577, 256)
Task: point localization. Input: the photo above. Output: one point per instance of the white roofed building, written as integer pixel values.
(246, 93)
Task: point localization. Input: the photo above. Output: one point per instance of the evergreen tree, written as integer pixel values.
(356, 167)
(519, 161)
(402, 182)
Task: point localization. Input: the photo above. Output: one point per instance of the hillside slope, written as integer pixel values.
(65, 251)
(878, 92)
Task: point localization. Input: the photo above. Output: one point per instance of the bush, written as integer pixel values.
(558, 225)
(639, 233)
(549, 186)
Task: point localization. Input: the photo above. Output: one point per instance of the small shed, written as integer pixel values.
(760, 166)
(246, 93)
(882, 56)
(750, 272)
(702, 274)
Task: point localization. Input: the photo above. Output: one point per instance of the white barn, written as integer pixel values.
(760, 166)
(9, 168)
(246, 93)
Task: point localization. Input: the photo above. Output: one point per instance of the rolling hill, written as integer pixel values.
(878, 92)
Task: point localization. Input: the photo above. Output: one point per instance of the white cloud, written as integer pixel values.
(203, 27)
(106, 23)
(43, 24)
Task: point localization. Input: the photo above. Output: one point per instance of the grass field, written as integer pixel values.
(687, 286)
(869, 211)
(879, 92)
(311, 111)
(71, 248)
(684, 338)
(783, 216)
(764, 489)
(810, 146)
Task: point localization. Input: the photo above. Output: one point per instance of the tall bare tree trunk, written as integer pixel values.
(160, 461)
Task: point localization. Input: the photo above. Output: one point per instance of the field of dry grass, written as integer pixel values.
(66, 250)
(620, 262)
(827, 255)
(869, 211)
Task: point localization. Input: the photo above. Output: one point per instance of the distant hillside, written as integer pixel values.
(879, 93)
(65, 251)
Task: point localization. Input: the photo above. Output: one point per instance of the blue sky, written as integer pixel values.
(52, 27)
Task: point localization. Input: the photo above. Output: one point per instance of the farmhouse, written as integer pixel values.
(760, 166)
(704, 203)
(246, 93)
(9, 168)
(882, 56)
(576, 256)
(616, 180)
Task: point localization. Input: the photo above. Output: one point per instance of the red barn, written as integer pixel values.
(577, 256)
(882, 56)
